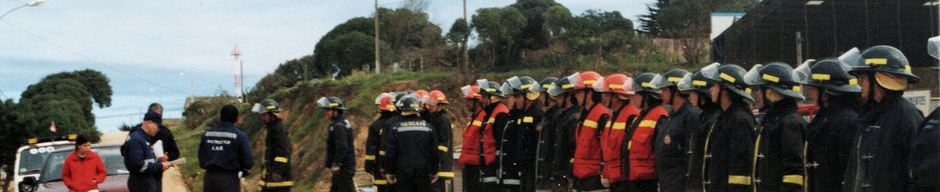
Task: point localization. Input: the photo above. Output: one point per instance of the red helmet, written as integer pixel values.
(471, 92)
(588, 78)
(385, 102)
(437, 97)
(421, 95)
(618, 83)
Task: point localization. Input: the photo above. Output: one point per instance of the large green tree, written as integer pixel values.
(498, 30)
(65, 98)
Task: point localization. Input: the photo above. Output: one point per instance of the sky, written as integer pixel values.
(155, 51)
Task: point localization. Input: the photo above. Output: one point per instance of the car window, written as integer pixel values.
(110, 156)
(31, 160)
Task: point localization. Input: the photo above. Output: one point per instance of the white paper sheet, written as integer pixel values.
(158, 149)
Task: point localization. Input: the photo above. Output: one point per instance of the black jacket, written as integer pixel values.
(729, 149)
(527, 126)
(445, 142)
(882, 148)
(672, 147)
(545, 150)
(829, 141)
(507, 143)
(411, 146)
(704, 124)
(225, 148)
(778, 165)
(277, 152)
(339, 145)
(169, 142)
(566, 124)
(925, 157)
(378, 131)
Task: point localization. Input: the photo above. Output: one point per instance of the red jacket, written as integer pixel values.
(587, 152)
(83, 175)
(642, 158)
(612, 143)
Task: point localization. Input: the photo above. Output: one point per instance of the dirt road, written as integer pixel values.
(172, 178)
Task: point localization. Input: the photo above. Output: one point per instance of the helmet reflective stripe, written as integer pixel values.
(876, 61)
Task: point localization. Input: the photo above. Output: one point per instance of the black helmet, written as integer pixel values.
(266, 105)
(829, 73)
(489, 88)
(886, 59)
(543, 85)
(528, 83)
(512, 86)
(777, 76)
(408, 103)
(730, 76)
(644, 83)
(671, 77)
(685, 84)
(563, 85)
(331, 102)
(702, 84)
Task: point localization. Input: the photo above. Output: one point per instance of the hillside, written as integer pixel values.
(307, 127)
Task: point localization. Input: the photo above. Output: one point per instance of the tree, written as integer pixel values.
(498, 29)
(535, 36)
(558, 20)
(649, 23)
(457, 36)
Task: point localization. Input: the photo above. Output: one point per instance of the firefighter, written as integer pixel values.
(778, 154)
(145, 170)
(888, 122)
(377, 133)
(565, 125)
(587, 153)
(411, 149)
(508, 144)
(925, 166)
(224, 152)
(276, 171)
(496, 120)
(643, 131)
(617, 89)
(697, 87)
(340, 158)
(546, 135)
(526, 127)
(829, 135)
(437, 117)
(729, 144)
(673, 141)
(479, 148)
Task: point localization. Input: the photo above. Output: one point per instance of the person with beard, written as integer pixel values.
(527, 127)
(696, 86)
(729, 145)
(545, 148)
(617, 89)
(565, 123)
(478, 149)
(587, 154)
(828, 135)
(437, 117)
(643, 131)
(673, 141)
(377, 133)
(888, 123)
(778, 154)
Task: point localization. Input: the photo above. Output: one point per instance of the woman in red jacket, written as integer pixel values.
(83, 169)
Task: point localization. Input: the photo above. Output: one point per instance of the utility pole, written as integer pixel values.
(466, 55)
(378, 66)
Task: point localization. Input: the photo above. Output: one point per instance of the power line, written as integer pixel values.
(92, 60)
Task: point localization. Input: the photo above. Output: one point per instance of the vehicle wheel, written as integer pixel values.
(27, 188)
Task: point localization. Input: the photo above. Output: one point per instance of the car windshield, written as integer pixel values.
(31, 159)
(110, 155)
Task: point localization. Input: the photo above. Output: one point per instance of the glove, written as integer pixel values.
(605, 182)
(334, 169)
(433, 178)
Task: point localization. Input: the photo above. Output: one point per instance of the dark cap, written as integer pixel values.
(229, 114)
(153, 116)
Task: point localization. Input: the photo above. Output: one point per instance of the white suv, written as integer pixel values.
(30, 158)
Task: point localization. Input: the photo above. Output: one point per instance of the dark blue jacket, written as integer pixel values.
(339, 144)
(140, 161)
(411, 145)
(225, 148)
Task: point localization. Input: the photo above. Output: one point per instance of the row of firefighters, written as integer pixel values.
(687, 131)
